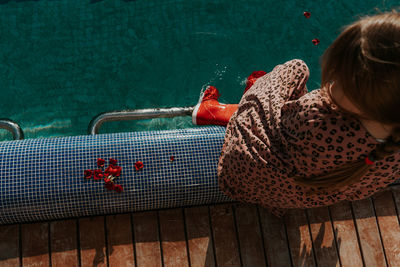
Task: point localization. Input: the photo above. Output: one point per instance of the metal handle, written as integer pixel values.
(138, 114)
(12, 127)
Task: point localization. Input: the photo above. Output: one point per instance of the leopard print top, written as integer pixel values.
(281, 131)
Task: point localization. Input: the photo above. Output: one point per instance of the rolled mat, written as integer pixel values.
(43, 179)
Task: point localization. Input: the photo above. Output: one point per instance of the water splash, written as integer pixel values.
(219, 73)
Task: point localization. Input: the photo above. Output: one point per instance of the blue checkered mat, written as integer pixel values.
(43, 179)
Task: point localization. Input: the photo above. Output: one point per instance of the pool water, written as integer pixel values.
(63, 62)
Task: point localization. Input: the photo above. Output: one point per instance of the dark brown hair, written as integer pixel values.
(365, 61)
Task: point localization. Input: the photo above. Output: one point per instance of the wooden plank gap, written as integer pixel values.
(299, 238)
(276, 242)
(106, 241)
(346, 237)
(49, 243)
(78, 236)
(311, 236)
(380, 232)
(396, 195)
(133, 239)
(287, 240)
(335, 236)
(212, 235)
(262, 236)
(160, 238)
(63, 241)
(173, 239)
(389, 225)
(357, 234)
(93, 244)
(370, 237)
(35, 247)
(20, 244)
(237, 233)
(225, 240)
(186, 236)
(323, 238)
(249, 235)
(147, 239)
(119, 240)
(396, 207)
(200, 242)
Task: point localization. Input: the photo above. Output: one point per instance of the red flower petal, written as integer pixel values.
(118, 172)
(100, 162)
(315, 41)
(118, 188)
(113, 170)
(139, 165)
(172, 158)
(88, 174)
(113, 161)
(98, 174)
(307, 14)
(109, 185)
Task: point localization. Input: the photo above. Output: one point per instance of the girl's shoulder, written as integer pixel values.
(315, 114)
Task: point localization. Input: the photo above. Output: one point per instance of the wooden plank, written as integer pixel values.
(249, 234)
(173, 240)
(147, 242)
(119, 240)
(9, 245)
(64, 243)
(370, 240)
(224, 231)
(389, 226)
(200, 241)
(396, 194)
(323, 237)
(346, 235)
(275, 239)
(35, 244)
(92, 241)
(299, 238)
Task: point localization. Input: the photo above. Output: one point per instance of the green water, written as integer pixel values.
(62, 62)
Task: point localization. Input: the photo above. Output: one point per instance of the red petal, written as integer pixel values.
(113, 170)
(113, 161)
(315, 41)
(98, 174)
(118, 171)
(100, 162)
(307, 14)
(138, 165)
(172, 158)
(109, 185)
(118, 188)
(88, 174)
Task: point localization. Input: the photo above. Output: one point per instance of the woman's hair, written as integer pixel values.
(365, 61)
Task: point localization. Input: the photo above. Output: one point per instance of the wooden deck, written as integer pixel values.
(362, 233)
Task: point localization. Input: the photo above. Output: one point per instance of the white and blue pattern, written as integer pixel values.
(42, 179)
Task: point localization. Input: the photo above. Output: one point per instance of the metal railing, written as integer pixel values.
(12, 127)
(138, 114)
